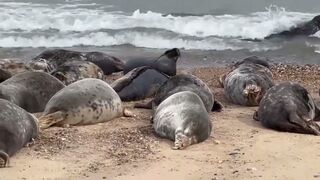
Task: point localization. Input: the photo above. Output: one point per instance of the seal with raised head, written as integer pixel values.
(247, 82)
(88, 101)
(17, 128)
(182, 118)
(74, 71)
(51, 59)
(4, 75)
(166, 63)
(303, 29)
(184, 82)
(30, 90)
(140, 83)
(288, 107)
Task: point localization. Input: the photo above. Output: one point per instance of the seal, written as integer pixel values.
(303, 29)
(184, 82)
(17, 128)
(166, 63)
(88, 101)
(247, 82)
(14, 66)
(182, 118)
(51, 59)
(30, 90)
(288, 107)
(140, 83)
(4, 75)
(73, 71)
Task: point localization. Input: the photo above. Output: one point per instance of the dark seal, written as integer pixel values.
(74, 71)
(50, 60)
(288, 107)
(166, 63)
(182, 118)
(247, 82)
(17, 128)
(184, 82)
(30, 90)
(140, 83)
(304, 29)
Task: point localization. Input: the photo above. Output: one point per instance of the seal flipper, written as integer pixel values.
(221, 80)
(4, 159)
(217, 106)
(317, 114)
(305, 124)
(144, 105)
(50, 119)
(255, 116)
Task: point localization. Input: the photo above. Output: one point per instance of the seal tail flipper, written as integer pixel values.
(221, 80)
(144, 105)
(255, 116)
(128, 113)
(307, 124)
(50, 119)
(217, 106)
(4, 159)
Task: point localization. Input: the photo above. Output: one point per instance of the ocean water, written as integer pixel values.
(207, 31)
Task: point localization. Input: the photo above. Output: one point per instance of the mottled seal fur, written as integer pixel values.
(30, 90)
(288, 107)
(17, 128)
(184, 82)
(183, 118)
(50, 60)
(166, 63)
(140, 83)
(4, 75)
(303, 29)
(14, 66)
(247, 82)
(88, 101)
(73, 71)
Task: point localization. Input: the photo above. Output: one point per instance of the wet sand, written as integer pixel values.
(128, 149)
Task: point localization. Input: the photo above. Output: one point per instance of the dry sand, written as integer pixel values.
(127, 149)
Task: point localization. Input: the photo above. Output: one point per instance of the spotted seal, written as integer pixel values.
(50, 60)
(184, 82)
(288, 107)
(30, 90)
(183, 118)
(88, 101)
(166, 63)
(17, 128)
(140, 83)
(247, 82)
(73, 71)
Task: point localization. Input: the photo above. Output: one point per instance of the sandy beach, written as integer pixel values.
(128, 149)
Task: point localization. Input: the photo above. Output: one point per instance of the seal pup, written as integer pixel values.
(4, 75)
(288, 107)
(17, 128)
(73, 71)
(51, 59)
(182, 118)
(88, 101)
(303, 29)
(166, 63)
(247, 82)
(140, 83)
(30, 90)
(184, 82)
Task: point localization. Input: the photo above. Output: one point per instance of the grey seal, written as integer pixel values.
(17, 128)
(30, 90)
(88, 101)
(74, 71)
(288, 107)
(182, 118)
(166, 63)
(140, 83)
(247, 82)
